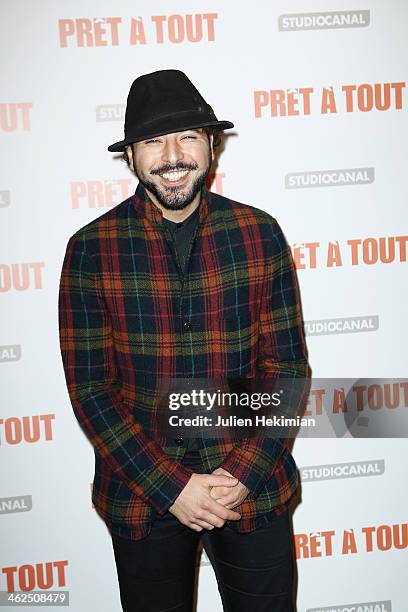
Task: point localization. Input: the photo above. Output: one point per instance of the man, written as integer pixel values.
(178, 282)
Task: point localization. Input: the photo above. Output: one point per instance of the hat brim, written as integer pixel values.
(118, 147)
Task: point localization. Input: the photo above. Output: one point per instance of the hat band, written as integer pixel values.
(193, 111)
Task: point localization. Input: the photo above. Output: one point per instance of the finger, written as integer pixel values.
(212, 519)
(194, 526)
(217, 480)
(220, 510)
(223, 493)
(217, 492)
(203, 524)
(232, 505)
(220, 497)
(227, 501)
(220, 490)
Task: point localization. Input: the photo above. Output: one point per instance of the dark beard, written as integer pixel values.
(175, 198)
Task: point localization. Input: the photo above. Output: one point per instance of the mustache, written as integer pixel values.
(170, 167)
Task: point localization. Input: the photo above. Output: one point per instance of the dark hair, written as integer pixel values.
(217, 134)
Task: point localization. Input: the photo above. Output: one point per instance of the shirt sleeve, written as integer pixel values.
(282, 351)
(88, 357)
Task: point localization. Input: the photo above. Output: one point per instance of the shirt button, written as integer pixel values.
(187, 324)
(179, 441)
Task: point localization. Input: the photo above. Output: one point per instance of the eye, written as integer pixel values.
(152, 140)
(191, 136)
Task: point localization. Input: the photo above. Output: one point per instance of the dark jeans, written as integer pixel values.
(254, 571)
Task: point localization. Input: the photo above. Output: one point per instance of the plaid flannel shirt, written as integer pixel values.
(127, 317)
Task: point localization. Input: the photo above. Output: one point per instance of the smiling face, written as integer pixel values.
(173, 168)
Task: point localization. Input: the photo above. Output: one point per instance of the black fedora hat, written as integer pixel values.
(163, 102)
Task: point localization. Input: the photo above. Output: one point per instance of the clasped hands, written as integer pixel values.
(207, 501)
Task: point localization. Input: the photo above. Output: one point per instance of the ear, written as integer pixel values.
(129, 152)
(211, 140)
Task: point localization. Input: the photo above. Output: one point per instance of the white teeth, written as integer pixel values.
(175, 175)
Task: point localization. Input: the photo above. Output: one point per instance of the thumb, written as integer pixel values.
(216, 480)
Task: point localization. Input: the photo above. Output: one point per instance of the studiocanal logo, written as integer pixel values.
(370, 606)
(5, 198)
(335, 471)
(323, 21)
(329, 178)
(110, 112)
(345, 325)
(20, 503)
(10, 352)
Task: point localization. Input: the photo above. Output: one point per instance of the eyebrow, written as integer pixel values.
(198, 130)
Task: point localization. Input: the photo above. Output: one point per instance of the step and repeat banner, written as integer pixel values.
(318, 95)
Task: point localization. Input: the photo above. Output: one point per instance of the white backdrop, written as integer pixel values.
(318, 96)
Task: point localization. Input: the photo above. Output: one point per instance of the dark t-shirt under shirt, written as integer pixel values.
(182, 233)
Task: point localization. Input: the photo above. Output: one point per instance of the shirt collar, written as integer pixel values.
(145, 208)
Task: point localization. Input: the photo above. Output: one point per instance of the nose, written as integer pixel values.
(172, 151)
